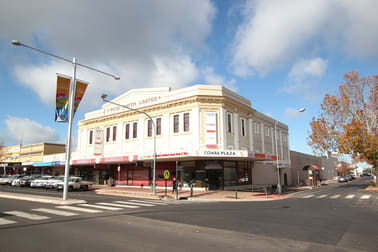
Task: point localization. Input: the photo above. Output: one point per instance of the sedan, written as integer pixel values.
(343, 179)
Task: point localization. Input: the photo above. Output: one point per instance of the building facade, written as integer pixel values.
(209, 134)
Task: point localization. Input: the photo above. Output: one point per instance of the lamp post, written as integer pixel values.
(278, 167)
(71, 101)
(103, 97)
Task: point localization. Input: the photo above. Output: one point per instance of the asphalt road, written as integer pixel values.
(324, 219)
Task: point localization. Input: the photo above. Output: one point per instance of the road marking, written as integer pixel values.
(117, 205)
(308, 196)
(350, 196)
(27, 215)
(6, 222)
(101, 207)
(133, 203)
(335, 196)
(80, 209)
(146, 201)
(322, 196)
(365, 197)
(54, 211)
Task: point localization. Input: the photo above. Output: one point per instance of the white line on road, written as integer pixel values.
(322, 196)
(133, 203)
(54, 211)
(147, 201)
(118, 205)
(80, 209)
(101, 207)
(308, 196)
(6, 222)
(350, 196)
(27, 215)
(365, 197)
(335, 196)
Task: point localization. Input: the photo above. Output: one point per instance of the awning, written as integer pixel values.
(314, 167)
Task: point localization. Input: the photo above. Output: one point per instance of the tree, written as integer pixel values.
(347, 122)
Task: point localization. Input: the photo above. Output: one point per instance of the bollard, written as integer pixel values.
(191, 190)
(236, 193)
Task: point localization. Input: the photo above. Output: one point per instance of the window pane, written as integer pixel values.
(135, 130)
(158, 126)
(243, 127)
(149, 128)
(127, 133)
(186, 122)
(176, 123)
(107, 134)
(114, 133)
(90, 136)
(229, 123)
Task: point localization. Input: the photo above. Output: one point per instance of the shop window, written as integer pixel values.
(267, 132)
(114, 133)
(186, 122)
(158, 126)
(127, 131)
(149, 128)
(135, 130)
(243, 127)
(229, 122)
(90, 137)
(176, 124)
(257, 129)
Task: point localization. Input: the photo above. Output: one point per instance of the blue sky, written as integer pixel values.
(282, 55)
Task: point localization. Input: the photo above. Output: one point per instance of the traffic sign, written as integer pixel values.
(166, 174)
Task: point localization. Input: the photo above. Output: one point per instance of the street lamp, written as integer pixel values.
(71, 101)
(278, 168)
(103, 97)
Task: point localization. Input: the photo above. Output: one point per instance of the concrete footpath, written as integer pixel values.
(208, 195)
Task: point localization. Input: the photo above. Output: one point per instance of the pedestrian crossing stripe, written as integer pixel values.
(80, 209)
(146, 201)
(54, 211)
(322, 196)
(118, 205)
(6, 222)
(133, 203)
(308, 196)
(365, 197)
(27, 215)
(351, 196)
(101, 207)
(335, 196)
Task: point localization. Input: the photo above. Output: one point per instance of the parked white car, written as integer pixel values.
(39, 183)
(4, 179)
(53, 180)
(13, 177)
(74, 183)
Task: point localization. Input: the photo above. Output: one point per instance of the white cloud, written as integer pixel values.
(29, 131)
(277, 32)
(145, 44)
(303, 78)
(212, 78)
(308, 68)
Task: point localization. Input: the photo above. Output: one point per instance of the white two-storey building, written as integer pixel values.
(218, 140)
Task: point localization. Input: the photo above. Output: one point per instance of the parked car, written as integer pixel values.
(4, 179)
(13, 177)
(53, 180)
(74, 183)
(40, 182)
(343, 179)
(25, 181)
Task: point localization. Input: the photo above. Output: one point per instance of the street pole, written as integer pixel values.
(278, 168)
(103, 97)
(71, 102)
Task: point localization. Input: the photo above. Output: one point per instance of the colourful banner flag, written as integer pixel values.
(62, 96)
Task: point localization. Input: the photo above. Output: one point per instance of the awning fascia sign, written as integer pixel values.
(84, 161)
